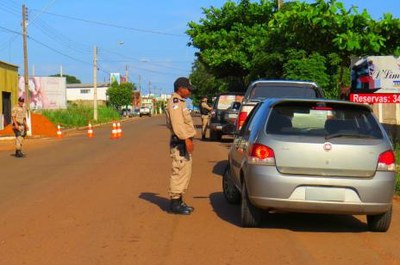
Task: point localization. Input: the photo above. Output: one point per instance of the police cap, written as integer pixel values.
(183, 82)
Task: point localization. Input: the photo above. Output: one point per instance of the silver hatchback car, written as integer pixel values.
(312, 156)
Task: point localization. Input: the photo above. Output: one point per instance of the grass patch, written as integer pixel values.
(78, 115)
(397, 151)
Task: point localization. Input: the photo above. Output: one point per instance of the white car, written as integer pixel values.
(144, 110)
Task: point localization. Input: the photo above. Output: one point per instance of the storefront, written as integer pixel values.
(8, 91)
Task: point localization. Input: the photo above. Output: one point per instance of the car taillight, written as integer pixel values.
(387, 161)
(261, 154)
(241, 118)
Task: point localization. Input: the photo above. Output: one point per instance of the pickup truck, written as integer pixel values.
(222, 113)
(262, 89)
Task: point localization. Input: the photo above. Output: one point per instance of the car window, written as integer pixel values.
(336, 120)
(260, 92)
(248, 124)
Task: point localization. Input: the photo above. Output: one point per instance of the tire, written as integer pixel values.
(231, 193)
(213, 135)
(380, 222)
(250, 215)
(219, 136)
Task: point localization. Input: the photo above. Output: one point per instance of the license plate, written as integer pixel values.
(219, 127)
(324, 194)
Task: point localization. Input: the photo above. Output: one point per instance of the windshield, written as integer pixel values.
(330, 121)
(263, 91)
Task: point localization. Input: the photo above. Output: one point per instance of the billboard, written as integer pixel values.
(374, 73)
(45, 92)
(115, 77)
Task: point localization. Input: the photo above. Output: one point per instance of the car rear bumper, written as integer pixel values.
(268, 189)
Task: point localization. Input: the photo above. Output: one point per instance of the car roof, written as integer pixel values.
(292, 82)
(230, 93)
(276, 101)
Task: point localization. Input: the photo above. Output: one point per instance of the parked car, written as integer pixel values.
(262, 89)
(145, 110)
(218, 123)
(136, 112)
(312, 156)
(230, 117)
(127, 113)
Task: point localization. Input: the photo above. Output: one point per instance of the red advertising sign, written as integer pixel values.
(375, 98)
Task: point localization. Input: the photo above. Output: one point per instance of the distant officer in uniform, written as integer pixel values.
(180, 122)
(20, 127)
(205, 116)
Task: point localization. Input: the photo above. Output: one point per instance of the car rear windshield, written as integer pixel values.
(328, 120)
(225, 101)
(263, 91)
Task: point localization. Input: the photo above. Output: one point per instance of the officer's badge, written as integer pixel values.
(175, 100)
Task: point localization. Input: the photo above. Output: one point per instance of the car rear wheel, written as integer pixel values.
(250, 215)
(231, 193)
(380, 222)
(215, 135)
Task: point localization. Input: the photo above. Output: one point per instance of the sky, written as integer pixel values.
(145, 40)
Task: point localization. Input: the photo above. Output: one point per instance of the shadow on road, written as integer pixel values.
(219, 167)
(154, 198)
(298, 222)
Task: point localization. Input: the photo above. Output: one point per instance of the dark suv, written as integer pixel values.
(222, 114)
(263, 89)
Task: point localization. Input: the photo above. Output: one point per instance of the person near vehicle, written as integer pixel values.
(20, 127)
(180, 122)
(205, 116)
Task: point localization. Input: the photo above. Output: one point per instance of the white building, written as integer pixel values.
(84, 93)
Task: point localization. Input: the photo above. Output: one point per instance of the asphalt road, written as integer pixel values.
(80, 201)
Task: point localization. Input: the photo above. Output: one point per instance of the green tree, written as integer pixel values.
(252, 40)
(120, 95)
(70, 79)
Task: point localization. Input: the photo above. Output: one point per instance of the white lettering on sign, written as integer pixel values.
(375, 98)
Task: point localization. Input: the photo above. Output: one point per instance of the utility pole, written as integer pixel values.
(26, 73)
(95, 83)
(140, 84)
(26, 70)
(279, 3)
(149, 88)
(126, 73)
(61, 71)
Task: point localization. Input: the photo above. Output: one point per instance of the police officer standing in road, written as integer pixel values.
(205, 117)
(180, 122)
(20, 127)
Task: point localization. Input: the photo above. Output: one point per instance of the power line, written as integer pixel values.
(57, 51)
(117, 26)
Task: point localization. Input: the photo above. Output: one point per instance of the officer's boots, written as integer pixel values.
(18, 153)
(190, 208)
(176, 207)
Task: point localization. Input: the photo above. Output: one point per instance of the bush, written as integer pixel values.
(78, 115)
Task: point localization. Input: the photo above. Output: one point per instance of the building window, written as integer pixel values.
(85, 91)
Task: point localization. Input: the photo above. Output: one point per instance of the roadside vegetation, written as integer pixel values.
(397, 150)
(78, 115)
(248, 40)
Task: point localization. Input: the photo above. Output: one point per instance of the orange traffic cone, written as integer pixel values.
(90, 131)
(114, 132)
(119, 130)
(59, 133)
